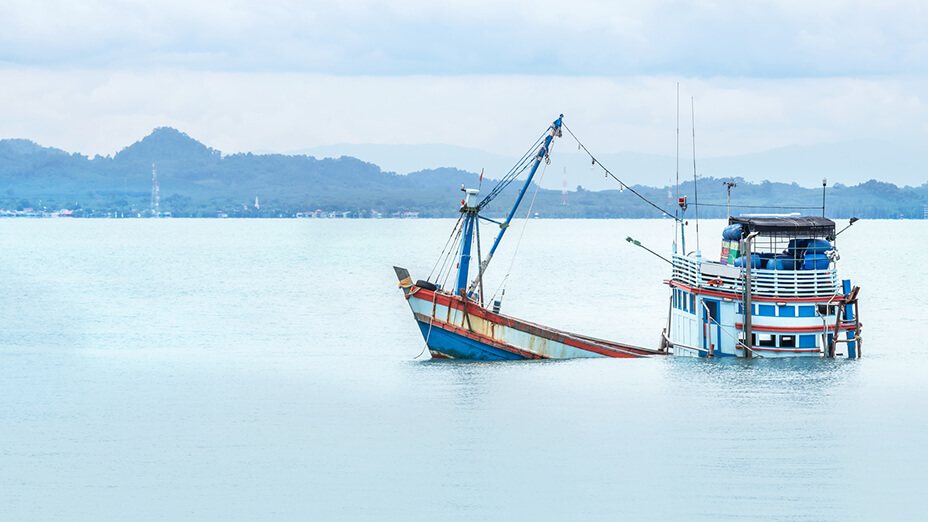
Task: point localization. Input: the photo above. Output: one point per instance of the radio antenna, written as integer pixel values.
(677, 194)
(695, 192)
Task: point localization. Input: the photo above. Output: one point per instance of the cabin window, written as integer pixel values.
(806, 311)
(786, 311)
(766, 310)
(693, 303)
(826, 309)
(787, 341)
(766, 339)
(713, 310)
(807, 341)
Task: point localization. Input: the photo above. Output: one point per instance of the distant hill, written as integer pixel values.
(850, 163)
(197, 180)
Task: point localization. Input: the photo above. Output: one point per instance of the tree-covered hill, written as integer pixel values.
(196, 180)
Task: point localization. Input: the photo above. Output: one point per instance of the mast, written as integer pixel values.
(469, 209)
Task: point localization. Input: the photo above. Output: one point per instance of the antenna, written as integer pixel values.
(824, 182)
(677, 193)
(695, 192)
(729, 185)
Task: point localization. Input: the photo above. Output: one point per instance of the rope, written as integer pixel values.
(754, 206)
(737, 342)
(522, 233)
(447, 244)
(514, 172)
(429, 333)
(448, 264)
(621, 183)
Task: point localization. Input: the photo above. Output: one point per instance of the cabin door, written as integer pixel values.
(721, 326)
(727, 332)
(711, 325)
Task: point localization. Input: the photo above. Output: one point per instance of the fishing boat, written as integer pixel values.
(775, 283)
(793, 306)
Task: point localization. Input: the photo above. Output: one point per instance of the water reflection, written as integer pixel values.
(796, 380)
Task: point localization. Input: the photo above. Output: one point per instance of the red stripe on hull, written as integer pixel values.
(790, 350)
(795, 329)
(601, 347)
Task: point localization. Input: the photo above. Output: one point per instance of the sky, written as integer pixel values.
(95, 76)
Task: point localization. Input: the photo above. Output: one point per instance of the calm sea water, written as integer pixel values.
(242, 370)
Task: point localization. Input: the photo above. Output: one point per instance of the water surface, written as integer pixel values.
(240, 370)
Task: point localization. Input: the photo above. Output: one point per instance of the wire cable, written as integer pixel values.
(621, 183)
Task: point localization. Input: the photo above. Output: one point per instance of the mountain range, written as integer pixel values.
(196, 180)
(849, 163)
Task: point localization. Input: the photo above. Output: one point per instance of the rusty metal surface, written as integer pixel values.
(453, 314)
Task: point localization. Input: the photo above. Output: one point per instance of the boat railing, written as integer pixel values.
(769, 283)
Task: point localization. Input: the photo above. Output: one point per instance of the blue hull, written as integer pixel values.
(450, 345)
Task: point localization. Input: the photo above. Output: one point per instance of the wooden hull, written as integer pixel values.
(457, 328)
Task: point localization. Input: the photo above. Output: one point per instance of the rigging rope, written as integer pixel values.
(522, 233)
(448, 263)
(442, 255)
(755, 206)
(513, 173)
(621, 183)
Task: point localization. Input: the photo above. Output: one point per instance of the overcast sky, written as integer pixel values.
(95, 76)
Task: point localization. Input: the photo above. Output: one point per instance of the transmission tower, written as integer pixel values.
(564, 189)
(155, 191)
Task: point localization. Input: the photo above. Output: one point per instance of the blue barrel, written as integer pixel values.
(732, 232)
(795, 248)
(786, 262)
(818, 246)
(755, 261)
(781, 262)
(815, 262)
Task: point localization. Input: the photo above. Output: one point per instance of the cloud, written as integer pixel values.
(99, 112)
(280, 75)
(772, 39)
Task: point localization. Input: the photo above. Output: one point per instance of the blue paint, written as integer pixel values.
(766, 310)
(461, 347)
(806, 311)
(787, 311)
(464, 264)
(716, 336)
(849, 310)
(806, 341)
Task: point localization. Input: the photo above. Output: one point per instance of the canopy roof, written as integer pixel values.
(795, 226)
